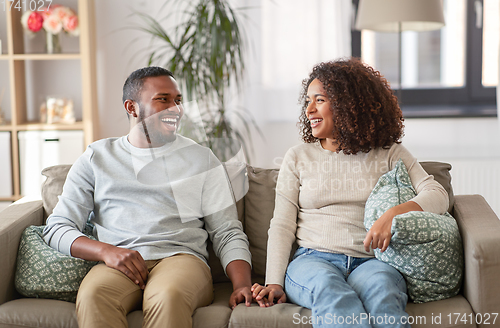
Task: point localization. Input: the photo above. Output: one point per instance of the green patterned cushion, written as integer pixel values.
(43, 272)
(425, 247)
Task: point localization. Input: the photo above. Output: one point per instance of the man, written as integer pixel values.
(154, 198)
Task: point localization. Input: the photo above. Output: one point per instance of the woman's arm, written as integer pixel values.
(283, 225)
(379, 236)
(431, 197)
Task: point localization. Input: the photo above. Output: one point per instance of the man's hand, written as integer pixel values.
(129, 262)
(240, 274)
(125, 260)
(240, 295)
(265, 295)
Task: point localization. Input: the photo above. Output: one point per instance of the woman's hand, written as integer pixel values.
(379, 236)
(265, 295)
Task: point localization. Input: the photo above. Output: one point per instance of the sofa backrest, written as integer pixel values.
(255, 209)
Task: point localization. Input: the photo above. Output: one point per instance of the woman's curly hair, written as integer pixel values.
(366, 113)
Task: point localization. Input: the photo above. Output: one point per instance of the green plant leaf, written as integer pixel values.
(204, 50)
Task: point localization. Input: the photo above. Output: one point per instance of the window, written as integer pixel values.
(449, 72)
(491, 35)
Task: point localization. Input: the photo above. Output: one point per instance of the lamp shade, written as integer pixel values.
(414, 15)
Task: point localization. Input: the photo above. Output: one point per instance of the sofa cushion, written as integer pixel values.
(441, 173)
(28, 312)
(259, 208)
(52, 186)
(284, 315)
(425, 247)
(43, 272)
(435, 314)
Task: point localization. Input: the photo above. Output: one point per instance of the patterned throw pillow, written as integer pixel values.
(43, 272)
(425, 247)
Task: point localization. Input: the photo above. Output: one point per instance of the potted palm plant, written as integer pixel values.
(204, 51)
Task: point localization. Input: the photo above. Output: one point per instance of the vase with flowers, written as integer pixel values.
(53, 20)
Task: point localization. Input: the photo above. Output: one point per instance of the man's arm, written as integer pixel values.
(125, 260)
(70, 215)
(239, 272)
(64, 227)
(226, 232)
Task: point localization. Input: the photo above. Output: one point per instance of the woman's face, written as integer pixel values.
(318, 111)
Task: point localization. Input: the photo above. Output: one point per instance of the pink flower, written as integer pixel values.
(52, 19)
(62, 12)
(32, 21)
(52, 24)
(70, 24)
(48, 11)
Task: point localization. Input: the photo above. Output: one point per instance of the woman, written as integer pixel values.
(351, 125)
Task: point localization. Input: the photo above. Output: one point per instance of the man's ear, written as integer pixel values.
(131, 107)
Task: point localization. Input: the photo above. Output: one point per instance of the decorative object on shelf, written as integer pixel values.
(53, 19)
(57, 110)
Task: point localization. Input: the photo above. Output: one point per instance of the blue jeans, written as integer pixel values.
(344, 291)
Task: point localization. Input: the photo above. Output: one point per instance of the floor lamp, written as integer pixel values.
(398, 16)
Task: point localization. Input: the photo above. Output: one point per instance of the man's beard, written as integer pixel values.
(152, 132)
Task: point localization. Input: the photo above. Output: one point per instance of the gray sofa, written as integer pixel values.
(479, 297)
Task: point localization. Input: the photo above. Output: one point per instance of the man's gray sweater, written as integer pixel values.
(159, 201)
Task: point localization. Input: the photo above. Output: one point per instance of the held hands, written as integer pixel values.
(265, 295)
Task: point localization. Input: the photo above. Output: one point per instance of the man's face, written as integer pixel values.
(159, 110)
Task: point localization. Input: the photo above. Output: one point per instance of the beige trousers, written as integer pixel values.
(175, 287)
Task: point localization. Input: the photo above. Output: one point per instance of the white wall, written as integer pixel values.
(118, 54)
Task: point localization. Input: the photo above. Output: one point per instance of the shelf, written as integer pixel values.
(31, 75)
(42, 126)
(10, 199)
(45, 56)
(68, 56)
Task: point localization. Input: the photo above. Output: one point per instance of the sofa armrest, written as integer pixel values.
(480, 230)
(13, 220)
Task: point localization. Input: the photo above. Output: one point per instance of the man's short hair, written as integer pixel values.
(133, 85)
